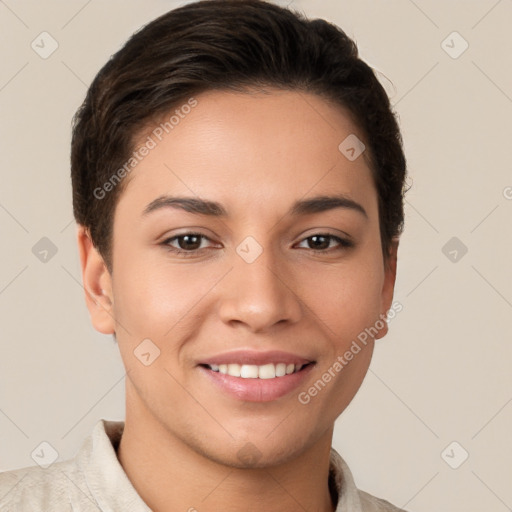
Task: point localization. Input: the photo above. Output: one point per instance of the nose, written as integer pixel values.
(259, 295)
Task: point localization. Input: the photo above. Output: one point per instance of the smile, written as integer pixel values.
(252, 371)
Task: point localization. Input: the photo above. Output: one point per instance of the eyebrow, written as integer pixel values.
(212, 208)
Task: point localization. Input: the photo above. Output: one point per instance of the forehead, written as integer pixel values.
(250, 149)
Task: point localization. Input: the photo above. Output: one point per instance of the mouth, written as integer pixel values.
(256, 376)
(252, 371)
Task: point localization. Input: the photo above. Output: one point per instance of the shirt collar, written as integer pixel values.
(103, 472)
(112, 489)
(343, 481)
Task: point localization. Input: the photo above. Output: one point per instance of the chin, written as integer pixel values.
(259, 452)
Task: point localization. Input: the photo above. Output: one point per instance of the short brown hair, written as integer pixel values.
(225, 45)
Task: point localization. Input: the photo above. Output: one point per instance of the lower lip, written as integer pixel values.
(258, 390)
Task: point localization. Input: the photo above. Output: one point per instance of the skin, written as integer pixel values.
(256, 154)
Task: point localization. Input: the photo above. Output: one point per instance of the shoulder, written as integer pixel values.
(350, 498)
(36, 489)
(370, 503)
(74, 484)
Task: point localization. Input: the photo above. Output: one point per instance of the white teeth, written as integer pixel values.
(252, 371)
(267, 371)
(234, 369)
(281, 370)
(249, 371)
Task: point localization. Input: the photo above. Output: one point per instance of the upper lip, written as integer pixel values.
(255, 357)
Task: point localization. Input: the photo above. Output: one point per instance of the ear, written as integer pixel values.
(388, 286)
(97, 283)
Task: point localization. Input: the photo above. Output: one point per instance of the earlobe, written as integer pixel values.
(388, 287)
(97, 283)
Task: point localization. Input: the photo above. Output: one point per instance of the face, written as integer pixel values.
(228, 257)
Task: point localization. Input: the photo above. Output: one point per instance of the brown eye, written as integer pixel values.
(189, 242)
(186, 244)
(321, 242)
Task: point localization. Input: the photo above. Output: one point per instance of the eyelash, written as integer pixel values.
(343, 243)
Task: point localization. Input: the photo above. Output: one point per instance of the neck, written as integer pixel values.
(170, 475)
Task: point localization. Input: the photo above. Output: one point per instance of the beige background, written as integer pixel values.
(443, 373)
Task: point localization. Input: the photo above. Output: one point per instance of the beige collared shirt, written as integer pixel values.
(94, 480)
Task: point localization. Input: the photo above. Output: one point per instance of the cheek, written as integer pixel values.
(153, 303)
(346, 300)
(141, 298)
(156, 299)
